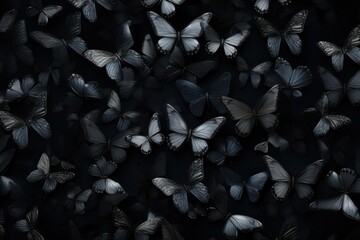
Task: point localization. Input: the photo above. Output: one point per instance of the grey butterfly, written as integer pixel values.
(113, 61)
(18, 90)
(275, 140)
(77, 199)
(148, 50)
(262, 6)
(233, 222)
(284, 183)
(288, 231)
(237, 185)
(180, 193)
(169, 37)
(125, 228)
(153, 136)
(29, 225)
(89, 7)
(336, 90)
(346, 182)
(254, 74)
(52, 179)
(167, 6)
(197, 136)
(263, 113)
(7, 20)
(228, 44)
(103, 169)
(350, 49)
(45, 13)
(289, 34)
(230, 147)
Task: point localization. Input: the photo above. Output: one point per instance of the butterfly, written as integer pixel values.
(229, 148)
(290, 80)
(148, 50)
(89, 7)
(199, 98)
(167, 6)
(284, 183)
(70, 38)
(233, 222)
(346, 182)
(253, 74)
(77, 199)
(52, 179)
(29, 225)
(103, 169)
(125, 228)
(89, 90)
(350, 49)
(275, 140)
(335, 90)
(327, 121)
(197, 136)
(45, 13)
(19, 127)
(289, 34)
(7, 20)
(228, 44)
(114, 111)
(2, 221)
(334, 149)
(264, 112)
(288, 231)
(19, 90)
(113, 61)
(153, 136)
(99, 144)
(237, 185)
(180, 193)
(262, 6)
(170, 37)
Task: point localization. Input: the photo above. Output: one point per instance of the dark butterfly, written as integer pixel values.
(228, 44)
(167, 6)
(290, 80)
(89, 7)
(289, 34)
(233, 222)
(7, 20)
(54, 72)
(148, 50)
(275, 140)
(284, 183)
(114, 111)
(19, 127)
(103, 169)
(89, 90)
(346, 182)
(262, 6)
(264, 112)
(229, 148)
(74, 120)
(199, 98)
(29, 225)
(334, 149)
(180, 193)
(51, 178)
(253, 74)
(54, 161)
(100, 144)
(328, 121)
(45, 13)
(113, 61)
(77, 199)
(288, 231)
(237, 185)
(170, 37)
(2, 221)
(153, 136)
(26, 88)
(70, 38)
(125, 227)
(335, 90)
(350, 49)
(181, 133)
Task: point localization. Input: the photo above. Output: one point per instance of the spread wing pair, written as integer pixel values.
(199, 98)
(233, 222)
(275, 140)
(346, 182)
(237, 185)
(153, 136)
(7, 20)
(89, 7)
(113, 61)
(263, 113)
(77, 199)
(51, 178)
(228, 44)
(284, 183)
(262, 6)
(170, 37)
(289, 34)
(253, 74)
(167, 6)
(350, 49)
(336, 90)
(29, 225)
(45, 13)
(288, 231)
(197, 136)
(230, 147)
(19, 90)
(180, 193)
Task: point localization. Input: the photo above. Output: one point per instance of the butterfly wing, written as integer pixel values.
(296, 25)
(241, 223)
(269, 31)
(154, 130)
(254, 184)
(265, 108)
(94, 136)
(7, 20)
(219, 88)
(46, 40)
(100, 58)
(234, 41)
(178, 127)
(333, 87)
(333, 51)
(194, 95)
(353, 89)
(213, 38)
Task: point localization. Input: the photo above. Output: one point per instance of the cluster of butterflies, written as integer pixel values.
(105, 121)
